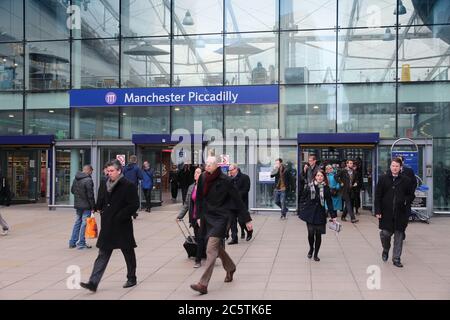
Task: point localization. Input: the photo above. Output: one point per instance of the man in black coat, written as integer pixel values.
(392, 197)
(348, 182)
(216, 200)
(185, 179)
(119, 203)
(84, 204)
(242, 182)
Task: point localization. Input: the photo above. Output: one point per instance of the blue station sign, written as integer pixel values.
(410, 159)
(186, 96)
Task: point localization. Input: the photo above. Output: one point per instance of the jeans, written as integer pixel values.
(148, 198)
(79, 228)
(280, 200)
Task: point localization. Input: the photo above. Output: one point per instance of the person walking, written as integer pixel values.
(147, 185)
(348, 179)
(281, 184)
(173, 180)
(118, 205)
(393, 195)
(132, 172)
(335, 188)
(5, 199)
(358, 185)
(194, 217)
(309, 170)
(184, 180)
(216, 198)
(242, 182)
(84, 204)
(314, 203)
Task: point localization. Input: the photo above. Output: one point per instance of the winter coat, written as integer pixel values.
(391, 200)
(185, 177)
(311, 210)
(147, 179)
(287, 177)
(410, 174)
(348, 191)
(132, 172)
(117, 209)
(5, 192)
(189, 206)
(242, 182)
(83, 191)
(333, 184)
(221, 202)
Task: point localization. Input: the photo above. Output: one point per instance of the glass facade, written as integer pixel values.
(341, 66)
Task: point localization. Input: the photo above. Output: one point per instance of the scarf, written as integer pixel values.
(210, 178)
(321, 191)
(111, 184)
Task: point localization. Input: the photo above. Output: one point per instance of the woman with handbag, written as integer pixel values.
(314, 201)
(334, 189)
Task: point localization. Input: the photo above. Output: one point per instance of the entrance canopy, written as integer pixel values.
(338, 138)
(28, 140)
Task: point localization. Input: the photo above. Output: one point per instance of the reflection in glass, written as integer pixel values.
(11, 20)
(145, 62)
(145, 18)
(197, 61)
(95, 64)
(441, 174)
(366, 55)
(10, 121)
(46, 20)
(11, 66)
(48, 65)
(48, 121)
(367, 13)
(144, 120)
(309, 108)
(98, 123)
(251, 59)
(366, 108)
(194, 17)
(306, 14)
(308, 57)
(423, 110)
(206, 117)
(251, 117)
(99, 19)
(251, 15)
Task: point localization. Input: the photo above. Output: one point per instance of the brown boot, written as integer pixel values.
(229, 276)
(199, 288)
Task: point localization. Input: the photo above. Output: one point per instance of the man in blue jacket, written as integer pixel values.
(147, 185)
(133, 174)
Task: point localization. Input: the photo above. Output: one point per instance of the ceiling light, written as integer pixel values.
(401, 8)
(177, 109)
(316, 107)
(11, 116)
(188, 21)
(388, 36)
(124, 114)
(248, 112)
(51, 111)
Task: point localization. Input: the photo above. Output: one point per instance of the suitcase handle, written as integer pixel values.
(187, 229)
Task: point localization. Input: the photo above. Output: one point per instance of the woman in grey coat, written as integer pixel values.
(194, 218)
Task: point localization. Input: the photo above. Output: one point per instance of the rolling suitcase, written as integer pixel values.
(189, 245)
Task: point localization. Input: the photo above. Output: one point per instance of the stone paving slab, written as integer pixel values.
(35, 259)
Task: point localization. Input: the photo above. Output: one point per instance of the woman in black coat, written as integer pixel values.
(315, 201)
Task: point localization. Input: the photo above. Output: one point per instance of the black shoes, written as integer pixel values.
(355, 220)
(398, 264)
(316, 258)
(249, 235)
(310, 253)
(343, 219)
(385, 255)
(89, 286)
(242, 234)
(233, 241)
(129, 284)
(283, 217)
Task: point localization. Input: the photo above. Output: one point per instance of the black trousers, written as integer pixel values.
(148, 198)
(200, 235)
(184, 190)
(102, 262)
(174, 190)
(234, 228)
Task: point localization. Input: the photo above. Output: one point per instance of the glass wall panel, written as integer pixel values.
(95, 64)
(46, 20)
(251, 15)
(144, 120)
(423, 53)
(194, 17)
(251, 117)
(11, 66)
(206, 117)
(99, 19)
(424, 110)
(306, 14)
(11, 106)
(95, 123)
(145, 18)
(251, 58)
(366, 55)
(198, 60)
(308, 57)
(441, 174)
(366, 108)
(265, 189)
(305, 109)
(417, 12)
(48, 65)
(145, 62)
(367, 13)
(11, 20)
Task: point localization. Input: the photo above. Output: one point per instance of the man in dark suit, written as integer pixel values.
(118, 204)
(216, 200)
(242, 182)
